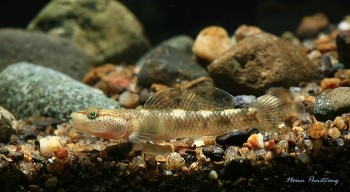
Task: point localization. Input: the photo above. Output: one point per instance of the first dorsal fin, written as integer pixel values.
(165, 99)
(203, 98)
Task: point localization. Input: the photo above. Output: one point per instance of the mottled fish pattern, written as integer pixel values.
(173, 113)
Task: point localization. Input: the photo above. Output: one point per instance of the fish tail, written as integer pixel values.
(277, 106)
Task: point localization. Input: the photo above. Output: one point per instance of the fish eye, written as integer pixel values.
(92, 114)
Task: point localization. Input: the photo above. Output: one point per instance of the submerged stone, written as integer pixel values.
(29, 90)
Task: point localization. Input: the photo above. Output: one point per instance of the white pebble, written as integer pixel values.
(213, 175)
(175, 161)
(50, 144)
(344, 26)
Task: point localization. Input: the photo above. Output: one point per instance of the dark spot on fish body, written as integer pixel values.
(222, 120)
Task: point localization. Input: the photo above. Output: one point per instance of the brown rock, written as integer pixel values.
(311, 25)
(259, 62)
(339, 123)
(244, 31)
(129, 99)
(343, 74)
(317, 130)
(325, 44)
(109, 78)
(343, 47)
(211, 42)
(330, 83)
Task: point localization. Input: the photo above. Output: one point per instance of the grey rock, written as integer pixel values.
(332, 103)
(343, 47)
(244, 100)
(181, 42)
(29, 90)
(17, 45)
(167, 65)
(259, 62)
(105, 30)
(8, 125)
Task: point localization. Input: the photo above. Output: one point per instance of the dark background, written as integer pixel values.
(165, 18)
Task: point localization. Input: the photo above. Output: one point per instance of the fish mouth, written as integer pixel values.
(77, 126)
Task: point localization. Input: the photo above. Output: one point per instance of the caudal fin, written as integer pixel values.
(275, 107)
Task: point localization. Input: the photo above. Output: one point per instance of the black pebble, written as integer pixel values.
(235, 138)
(215, 153)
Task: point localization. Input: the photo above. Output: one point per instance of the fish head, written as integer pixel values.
(105, 123)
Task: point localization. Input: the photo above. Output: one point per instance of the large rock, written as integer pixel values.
(333, 103)
(343, 47)
(8, 125)
(167, 65)
(181, 42)
(259, 62)
(57, 53)
(105, 30)
(29, 90)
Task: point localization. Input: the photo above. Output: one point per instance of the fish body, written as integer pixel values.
(172, 114)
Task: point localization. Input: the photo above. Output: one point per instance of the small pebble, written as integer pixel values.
(339, 122)
(168, 173)
(213, 175)
(283, 145)
(345, 24)
(236, 138)
(128, 99)
(302, 155)
(317, 130)
(334, 133)
(256, 141)
(16, 155)
(244, 31)
(232, 151)
(340, 142)
(251, 155)
(244, 151)
(51, 182)
(268, 156)
(61, 153)
(215, 153)
(308, 143)
(330, 83)
(50, 144)
(194, 167)
(317, 144)
(138, 160)
(175, 161)
(211, 42)
(297, 129)
(151, 162)
(308, 27)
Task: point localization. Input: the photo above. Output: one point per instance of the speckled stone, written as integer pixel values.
(27, 89)
(333, 103)
(8, 125)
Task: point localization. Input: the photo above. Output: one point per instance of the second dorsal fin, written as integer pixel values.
(203, 98)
